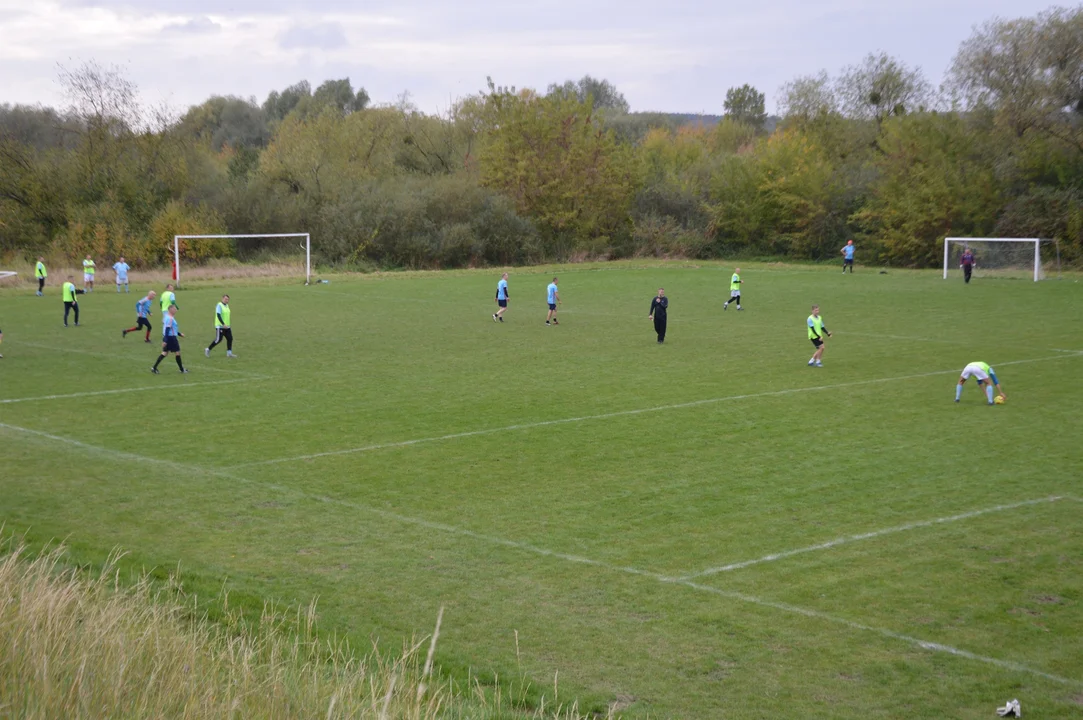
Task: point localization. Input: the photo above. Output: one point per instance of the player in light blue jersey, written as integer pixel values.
(501, 298)
(121, 269)
(554, 300)
(170, 339)
(142, 315)
(848, 257)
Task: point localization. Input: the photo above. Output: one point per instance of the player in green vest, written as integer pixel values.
(168, 299)
(735, 290)
(88, 274)
(816, 332)
(69, 292)
(986, 377)
(222, 328)
(40, 273)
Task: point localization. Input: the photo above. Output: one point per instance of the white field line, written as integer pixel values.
(450, 529)
(145, 388)
(868, 536)
(157, 346)
(623, 413)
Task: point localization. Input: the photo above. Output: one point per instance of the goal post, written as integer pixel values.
(998, 256)
(306, 241)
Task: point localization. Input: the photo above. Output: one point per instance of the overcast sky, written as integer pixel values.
(671, 55)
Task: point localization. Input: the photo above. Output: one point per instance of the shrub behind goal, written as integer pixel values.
(291, 251)
(1030, 258)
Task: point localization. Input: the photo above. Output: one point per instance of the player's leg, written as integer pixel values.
(179, 363)
(75, 308)
(217, 339)
(159, 360)
(959, 388)
(737, 299)
(67, 311)
(228, 332)
(41, 286)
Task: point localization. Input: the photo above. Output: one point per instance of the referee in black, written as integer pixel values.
(659, 304)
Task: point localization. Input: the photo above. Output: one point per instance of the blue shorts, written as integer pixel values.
(502, 303)
(171, 344)
(848, 261)
(552, 306)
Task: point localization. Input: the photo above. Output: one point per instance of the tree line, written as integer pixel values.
(514, 176)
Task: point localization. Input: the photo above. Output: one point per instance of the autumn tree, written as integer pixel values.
(745, 104)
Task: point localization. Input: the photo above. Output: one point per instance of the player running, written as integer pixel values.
(88, 274)
(41, 273)
(735, 290)
(816, 332)
(169, 299)
(848, 257)
(170, 342)
(121, 269)
(68, 292)
(986, 377)
(554, 300)
(222, 328)
(142, 316)
(501, 298)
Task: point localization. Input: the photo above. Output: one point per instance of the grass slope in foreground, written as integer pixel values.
(354, 451)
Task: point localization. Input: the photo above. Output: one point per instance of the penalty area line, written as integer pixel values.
(846, 540)
(121, 391)
(622, 413)
(575, 559)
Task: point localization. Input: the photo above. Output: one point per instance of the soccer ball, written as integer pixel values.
(998, 400)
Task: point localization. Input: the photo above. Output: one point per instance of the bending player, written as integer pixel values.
(986, 377)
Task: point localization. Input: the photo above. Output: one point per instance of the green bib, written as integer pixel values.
(735, 282)
(69, 292)
(222, 310)
(817, 328)
(168, 299)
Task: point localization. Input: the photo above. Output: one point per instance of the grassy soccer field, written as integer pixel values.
(700, 528)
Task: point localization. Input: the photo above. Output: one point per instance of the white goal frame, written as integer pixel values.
(306, 236)
(965, 240)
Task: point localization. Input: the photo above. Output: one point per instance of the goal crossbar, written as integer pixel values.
(306, 236)
(966, 240)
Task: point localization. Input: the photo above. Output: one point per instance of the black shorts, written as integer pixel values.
(552, 306)
(142, 322)
(171, 344)
(817, 341)
(848, 261)
(502, 303)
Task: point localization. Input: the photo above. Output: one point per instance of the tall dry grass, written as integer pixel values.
(275, 270)
(77, 646)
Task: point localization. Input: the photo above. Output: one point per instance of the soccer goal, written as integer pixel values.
(273, 247)
(1004, 257)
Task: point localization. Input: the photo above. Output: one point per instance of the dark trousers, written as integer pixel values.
(660, 327)
(68, 307)
(41, 284)
(220, 333)
(967, 269)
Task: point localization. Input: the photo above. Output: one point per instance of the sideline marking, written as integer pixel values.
(144, 388)
(867, 536)
(621, 413)
(731, 595)
(130, 358)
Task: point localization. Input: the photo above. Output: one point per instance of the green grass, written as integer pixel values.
(577, 533)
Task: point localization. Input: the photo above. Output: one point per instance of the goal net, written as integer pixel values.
(282, 254)
(1029, 258)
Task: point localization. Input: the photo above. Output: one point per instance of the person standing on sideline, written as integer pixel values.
(848, 257)
(659, 305)
(501, 298)
(170, 343)
(70, 302)
(88, 274)
(41, 273)
(816, 332)
(221, 328)
(735, 290)
(142, 316)
(554, 299)
(169, 299)
(121, 269)
(985, 375)
(966, 262)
